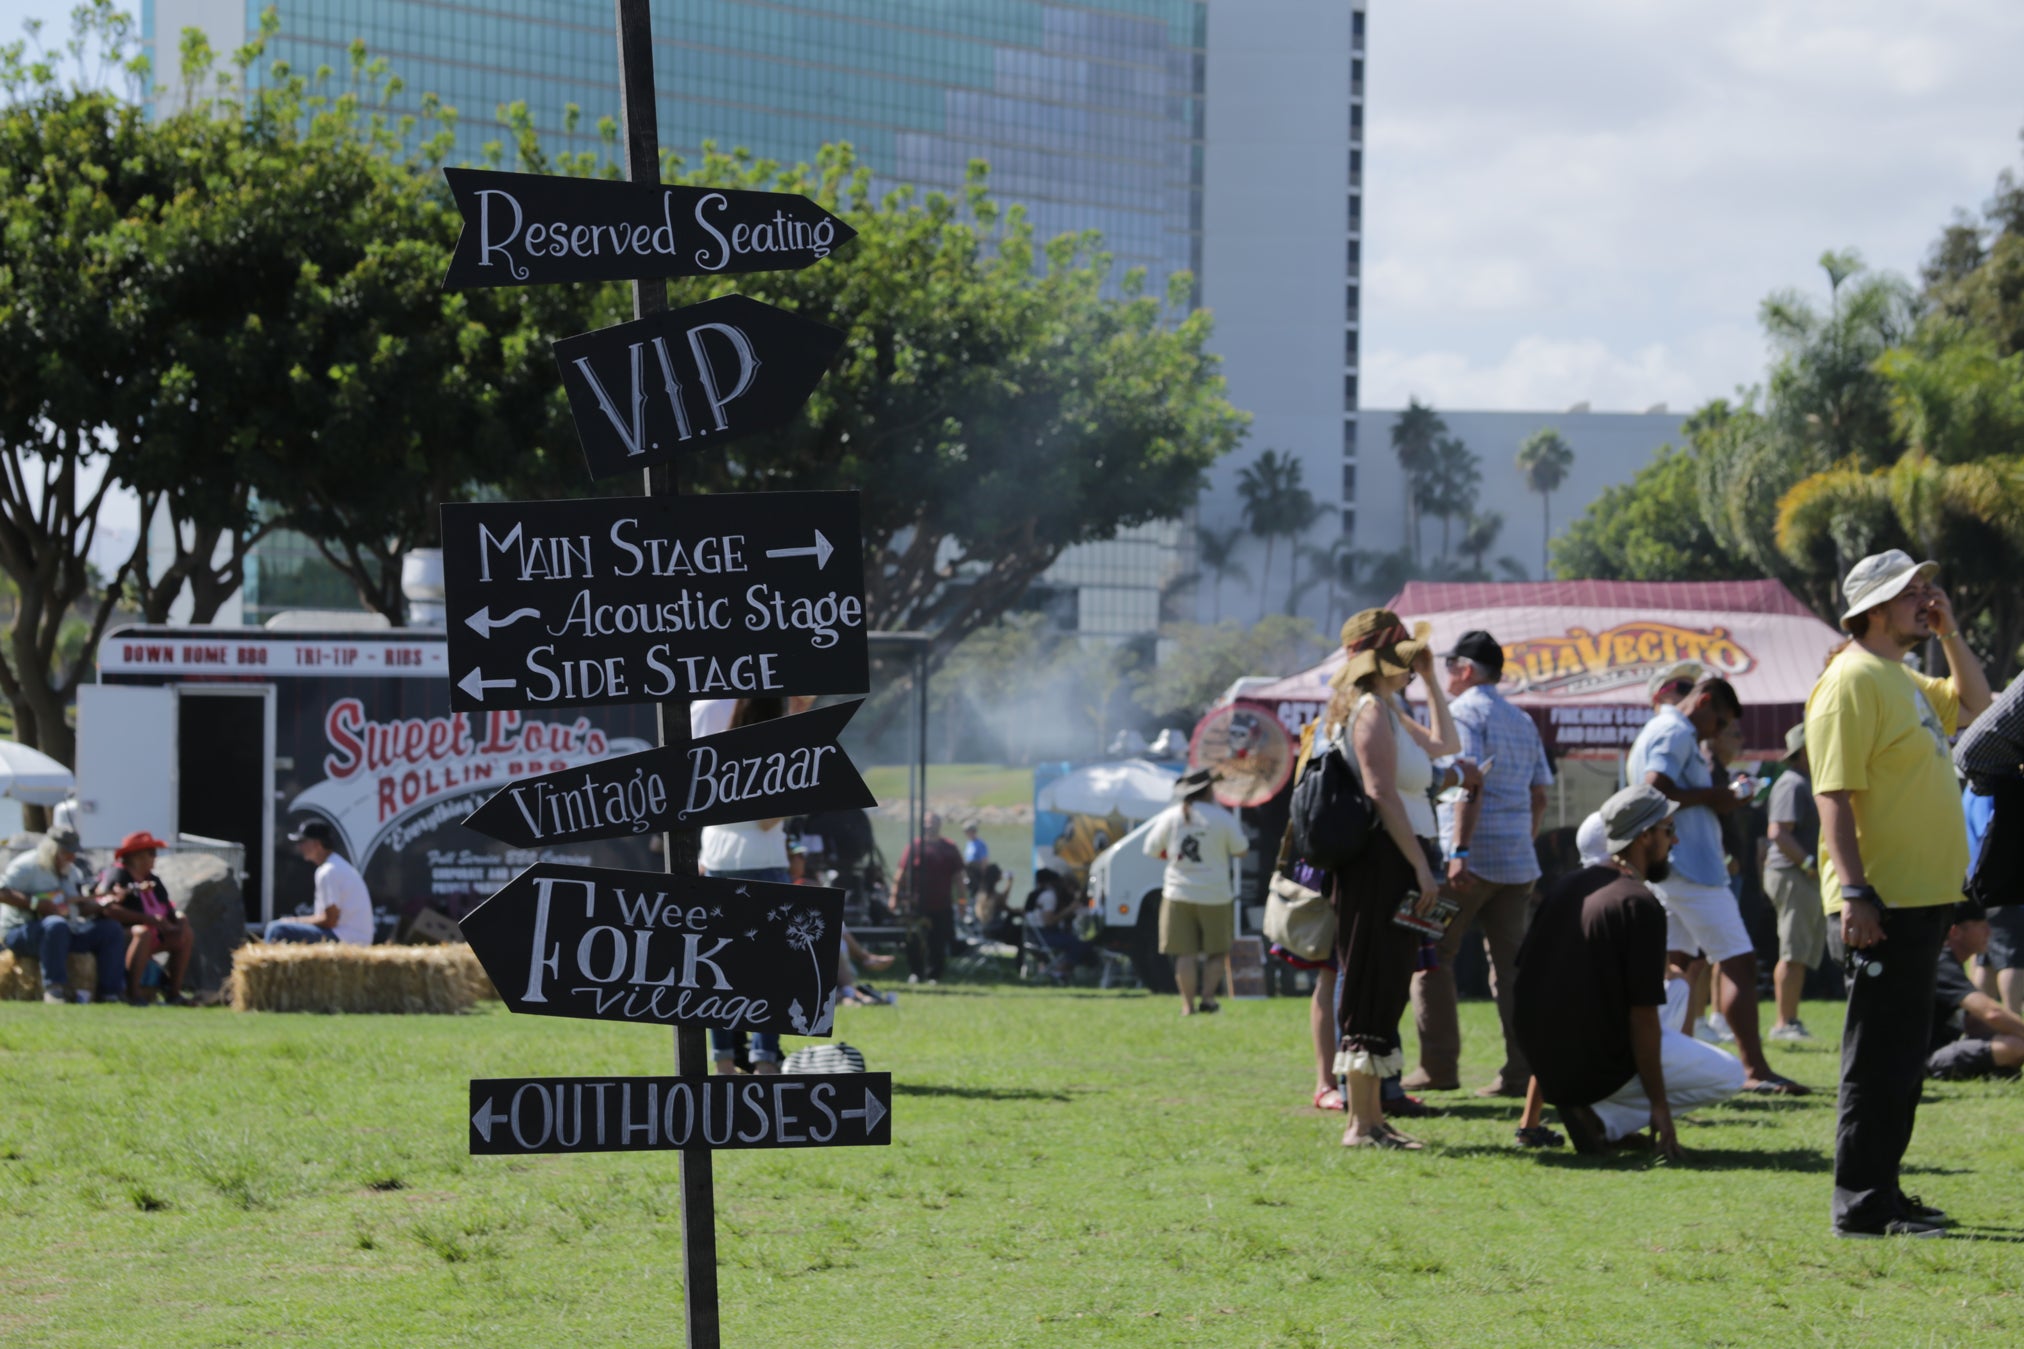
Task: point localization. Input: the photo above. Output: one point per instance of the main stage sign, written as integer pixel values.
(533, 229)
(630, 599)
(703, 375)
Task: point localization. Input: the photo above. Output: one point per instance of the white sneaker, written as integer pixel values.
(1795, 1030)
(1717, 1023)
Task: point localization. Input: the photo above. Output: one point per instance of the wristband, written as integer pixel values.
(1458, 854)
(1867, 894)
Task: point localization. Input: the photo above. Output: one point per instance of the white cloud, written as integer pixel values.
(1599, 192)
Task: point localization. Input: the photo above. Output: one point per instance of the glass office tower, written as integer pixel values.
(1089, 114)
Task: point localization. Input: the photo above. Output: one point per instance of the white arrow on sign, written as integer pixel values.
(487, 1117)
(475, 684)
(872, 1113)
(483, 623)
(820, 552)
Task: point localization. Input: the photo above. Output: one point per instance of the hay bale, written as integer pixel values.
(333, 977)
(21, 980)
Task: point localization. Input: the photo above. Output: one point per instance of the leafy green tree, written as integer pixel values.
(1201, 661)
(1648, 529)
(1415, 439)
(1543, 461)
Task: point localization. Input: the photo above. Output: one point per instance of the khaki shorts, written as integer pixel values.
(1196, 929)
(1802, 927)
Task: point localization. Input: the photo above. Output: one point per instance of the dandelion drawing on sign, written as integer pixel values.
(751, 934)
(719, 913)
(804, 929)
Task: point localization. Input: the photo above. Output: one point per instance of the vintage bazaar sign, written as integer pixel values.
(385, 782)
(523, 1115)
(1581, 662)
(532, 229)
(774, 769)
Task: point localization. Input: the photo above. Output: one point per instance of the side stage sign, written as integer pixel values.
(630, 599)
(520, 1115)
(784, 767)
(534, 229)
(703, 375)
(644, 946)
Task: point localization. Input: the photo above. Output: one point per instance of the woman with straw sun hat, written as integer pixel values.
(1393, 757)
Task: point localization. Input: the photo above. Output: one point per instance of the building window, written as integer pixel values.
(1355, 255)
(1349, 300)
(1349, 390)
(1348, 524)
(1356, 121)
(1349, 347)
(1349, 482)
(1349, 437)
(1355, 210)
(1356, 27)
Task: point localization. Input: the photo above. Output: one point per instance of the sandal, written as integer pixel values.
(1329, 1098)
(1211, 1005)
(1776, 1085)
(1539, 1136)
(1402, 1142)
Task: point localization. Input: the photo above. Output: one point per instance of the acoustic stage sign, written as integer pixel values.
(784, 767)
(631, 599)
(532, 229)
(519, 1115)
(703, 375)
(644, 946)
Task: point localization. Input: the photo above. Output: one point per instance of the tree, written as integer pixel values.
(1217, 550)
(1479, 536)
(1415, 437)
(1276, 504)
(1648, 529)
(1333, 565)
(1202, 661)
(1448, 485)
(1543, 461)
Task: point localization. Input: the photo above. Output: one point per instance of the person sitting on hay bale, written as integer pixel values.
(44, 912)
(138, 900)
(343, 905)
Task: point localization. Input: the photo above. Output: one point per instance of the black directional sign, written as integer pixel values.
(531, 229)
(788, 766)
(610, 945)
(512, 1115)
(701, 376)
(631, 599)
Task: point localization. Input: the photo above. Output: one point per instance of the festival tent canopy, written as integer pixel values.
(1577, 653)
(1134, 788)
(31, 776)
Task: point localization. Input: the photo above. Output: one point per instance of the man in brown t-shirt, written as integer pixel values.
(1591, 985)
(925, 890)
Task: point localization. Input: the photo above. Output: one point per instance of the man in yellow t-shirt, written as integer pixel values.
(1894, 856)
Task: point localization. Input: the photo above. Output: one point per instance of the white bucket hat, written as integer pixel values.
(1881, 578)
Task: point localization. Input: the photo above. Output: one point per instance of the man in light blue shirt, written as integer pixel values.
(1487, 838)
(1701, 911)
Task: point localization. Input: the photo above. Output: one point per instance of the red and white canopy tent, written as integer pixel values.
(1577, 653)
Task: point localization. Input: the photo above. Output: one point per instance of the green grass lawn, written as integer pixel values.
(977, 783)
(1069, 1168)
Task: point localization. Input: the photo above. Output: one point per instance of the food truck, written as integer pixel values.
(243, 734)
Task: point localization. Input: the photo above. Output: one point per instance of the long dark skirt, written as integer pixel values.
(1375, 956)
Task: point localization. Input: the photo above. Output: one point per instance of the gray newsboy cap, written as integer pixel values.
(1632, 811)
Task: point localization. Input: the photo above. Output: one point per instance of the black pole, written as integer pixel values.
(698, 1188)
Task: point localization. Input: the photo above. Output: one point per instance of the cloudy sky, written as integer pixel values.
(1586, 199)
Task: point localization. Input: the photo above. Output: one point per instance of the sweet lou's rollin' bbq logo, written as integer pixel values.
(1592, 662)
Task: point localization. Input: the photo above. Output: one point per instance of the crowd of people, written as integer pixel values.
(1873, 851)
(52, 908)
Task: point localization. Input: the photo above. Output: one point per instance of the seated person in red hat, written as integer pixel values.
(135, 897)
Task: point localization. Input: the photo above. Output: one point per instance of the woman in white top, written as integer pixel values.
(1393, 757)
(755, 850)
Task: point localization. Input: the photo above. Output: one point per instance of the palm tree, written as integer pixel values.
(1448, 486)
(1414, 437)
(1299, 513)
(1479, 535)
(1218, 551)
(1275, 504)
(1333, 565)
(1543, 461)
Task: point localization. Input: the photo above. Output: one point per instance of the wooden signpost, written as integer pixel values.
(619, 600)
(514, 1116)
(644, 391)
(663, 598)
(770, 770)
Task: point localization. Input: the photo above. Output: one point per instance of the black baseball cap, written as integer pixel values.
(1479, 646)
(316, 830)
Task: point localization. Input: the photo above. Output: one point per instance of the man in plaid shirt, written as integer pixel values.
(1488, 842)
